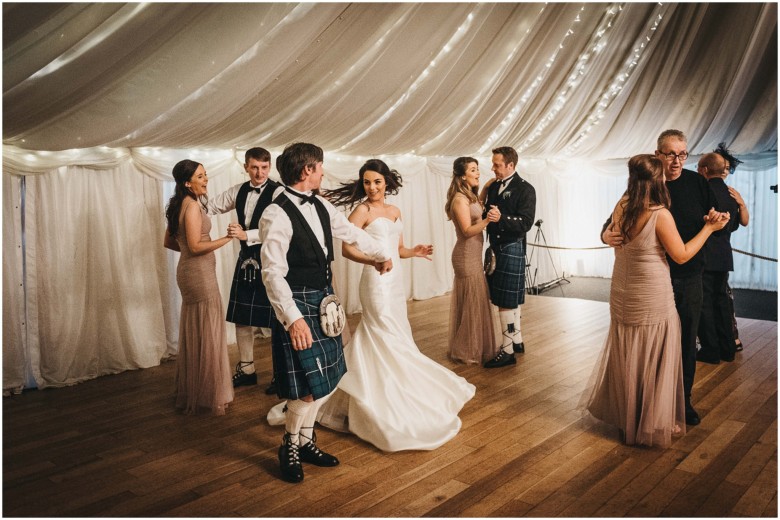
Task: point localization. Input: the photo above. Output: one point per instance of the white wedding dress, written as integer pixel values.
(392, 395)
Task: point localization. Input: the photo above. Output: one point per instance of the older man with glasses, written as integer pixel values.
(691, 200)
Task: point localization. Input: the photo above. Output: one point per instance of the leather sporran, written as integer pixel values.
(332, 316)
(490, 261)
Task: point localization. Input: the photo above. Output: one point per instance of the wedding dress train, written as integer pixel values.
(392, 395)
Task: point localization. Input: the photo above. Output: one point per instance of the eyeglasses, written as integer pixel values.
(672, 156)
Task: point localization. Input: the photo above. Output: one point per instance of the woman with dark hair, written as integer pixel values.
(472, 325)
(203, 381)
(392, 395)
(637, 384)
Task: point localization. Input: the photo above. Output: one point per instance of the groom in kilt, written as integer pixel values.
(248, 306)
(297, 231)
(515, 199)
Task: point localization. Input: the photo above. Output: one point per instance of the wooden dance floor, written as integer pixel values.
(115, 446)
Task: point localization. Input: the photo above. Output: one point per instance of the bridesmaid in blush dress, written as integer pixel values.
(203, 382)
(473, 327)
(637, 383)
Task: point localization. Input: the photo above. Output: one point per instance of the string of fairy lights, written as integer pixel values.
(427, 71)
(596, 43)
(616, 85)
(500, 132)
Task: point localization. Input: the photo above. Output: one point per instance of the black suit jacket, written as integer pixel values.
(717, 249)
(517, 204)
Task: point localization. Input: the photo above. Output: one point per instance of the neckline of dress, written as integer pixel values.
(386, 218)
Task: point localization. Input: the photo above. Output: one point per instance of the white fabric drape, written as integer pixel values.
(100, 294)
(100, 100)
(591, 80)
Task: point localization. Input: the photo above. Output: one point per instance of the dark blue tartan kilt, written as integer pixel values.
(507, 283)
(249, 303)
(317, 370)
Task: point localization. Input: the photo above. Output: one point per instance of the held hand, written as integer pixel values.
(737, 197)
(300, 335)
(384, 267)
(494, 215)
(423, 251)
(612, 238)
(236, 231)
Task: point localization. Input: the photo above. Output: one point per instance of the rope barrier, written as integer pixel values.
(608, 247)
(754, 255)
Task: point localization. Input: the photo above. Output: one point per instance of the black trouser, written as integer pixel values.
(688, 300)
(716, 334)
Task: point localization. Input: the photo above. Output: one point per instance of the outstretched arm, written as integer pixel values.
(744, 216)
(678, 251)
(420, 250)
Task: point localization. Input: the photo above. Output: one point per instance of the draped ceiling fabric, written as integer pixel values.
(100, 100)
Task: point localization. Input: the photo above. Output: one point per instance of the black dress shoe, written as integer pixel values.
(519, 348)
(311, 454)
(739, 346)
(691, 417)
(271, 390)
(502, 359)
(290, 461)
(242, 379)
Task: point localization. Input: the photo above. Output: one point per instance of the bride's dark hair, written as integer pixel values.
(350, 194)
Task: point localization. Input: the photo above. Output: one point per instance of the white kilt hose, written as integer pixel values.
(248, 304)
(317, 370)
(507, 283)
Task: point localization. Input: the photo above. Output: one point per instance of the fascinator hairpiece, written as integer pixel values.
(726, 154)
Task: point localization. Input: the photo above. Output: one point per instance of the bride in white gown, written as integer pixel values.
(392, 395)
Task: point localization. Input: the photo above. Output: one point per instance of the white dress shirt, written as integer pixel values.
(506, 182)
(226, 201)
(276, 233)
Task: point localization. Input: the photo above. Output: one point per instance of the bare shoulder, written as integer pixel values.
(665, 218)
(393, 211)
(460, 200)
(359, 215)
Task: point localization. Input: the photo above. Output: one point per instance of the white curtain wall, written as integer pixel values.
(91, 291)
(100, 100)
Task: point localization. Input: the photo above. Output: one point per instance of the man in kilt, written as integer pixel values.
(249, 306)
(515, 199)
(297, 232)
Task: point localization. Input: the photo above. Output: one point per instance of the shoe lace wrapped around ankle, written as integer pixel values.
(293, 451)
(240, 368)
(311, 446)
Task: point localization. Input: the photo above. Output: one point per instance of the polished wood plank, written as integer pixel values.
(115, 446)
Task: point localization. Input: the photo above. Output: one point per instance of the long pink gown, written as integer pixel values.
(473, 325)
(203, 372)
(638, 384)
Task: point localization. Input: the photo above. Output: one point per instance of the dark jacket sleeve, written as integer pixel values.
(521, 219)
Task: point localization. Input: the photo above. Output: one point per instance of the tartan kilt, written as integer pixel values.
(507, 283)
(248, 304)
(317, 370)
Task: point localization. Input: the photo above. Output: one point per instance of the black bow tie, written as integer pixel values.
(256, 189)
(305, 198)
